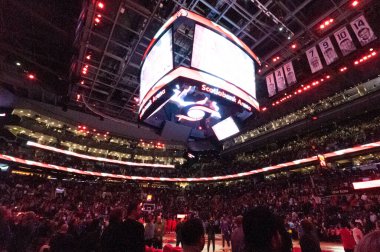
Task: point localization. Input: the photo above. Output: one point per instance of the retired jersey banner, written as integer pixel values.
(280, 79)
(314, 60)
(363, 31)
(328, 51)
(344, 40)
(289, 73)
(271, 85)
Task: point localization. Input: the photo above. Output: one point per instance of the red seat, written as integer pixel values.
(177, 249)
(168, 248)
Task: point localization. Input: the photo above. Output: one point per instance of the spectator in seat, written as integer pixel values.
(62, 241)
(193, 235)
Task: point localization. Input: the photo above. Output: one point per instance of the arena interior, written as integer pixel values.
(190, 125)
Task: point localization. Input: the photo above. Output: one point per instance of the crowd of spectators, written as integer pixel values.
(35, 210)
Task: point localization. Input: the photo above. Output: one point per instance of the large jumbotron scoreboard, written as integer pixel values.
(199, 75)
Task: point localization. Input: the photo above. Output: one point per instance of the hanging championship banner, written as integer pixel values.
(344, 40)
(271, 85)
(328, 51)
(314, 60)
(289, 73)
(363, 31)
(280, 79)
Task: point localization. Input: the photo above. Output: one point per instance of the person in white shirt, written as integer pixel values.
(372, 217)
(364, 197)
(357, 232)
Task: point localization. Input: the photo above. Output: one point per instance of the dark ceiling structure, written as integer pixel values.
(92, 63)
(36, 39)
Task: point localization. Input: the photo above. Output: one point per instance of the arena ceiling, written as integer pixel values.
(49, 36)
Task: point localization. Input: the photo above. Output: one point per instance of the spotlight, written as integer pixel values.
(100, 5)
(18, 64)
(281, 28)
(355, 3)
(294, 46)
(31, 76)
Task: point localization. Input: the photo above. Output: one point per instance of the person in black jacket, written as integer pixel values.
(193, 239)
(264, 231)
(112, 238)
(178, 232)
(309, 241)
(134, 230)
(210, 230)
(62, 241)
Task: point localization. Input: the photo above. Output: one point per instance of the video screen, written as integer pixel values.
(158, 62)
(217, 55)
(4, 167)
(225, 128)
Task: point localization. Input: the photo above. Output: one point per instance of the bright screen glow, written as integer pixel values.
(225, 128)
(4, 167)
(217, 55)
(157, 63)
(366, 184)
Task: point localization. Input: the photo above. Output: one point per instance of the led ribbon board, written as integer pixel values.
(100, 159)
(199, 179)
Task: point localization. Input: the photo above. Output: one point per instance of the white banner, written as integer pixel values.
(328, 51)
(314, 60)
(280, 79)
(289, 73)
(271, 85)
(362, 30)
(344, 40)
